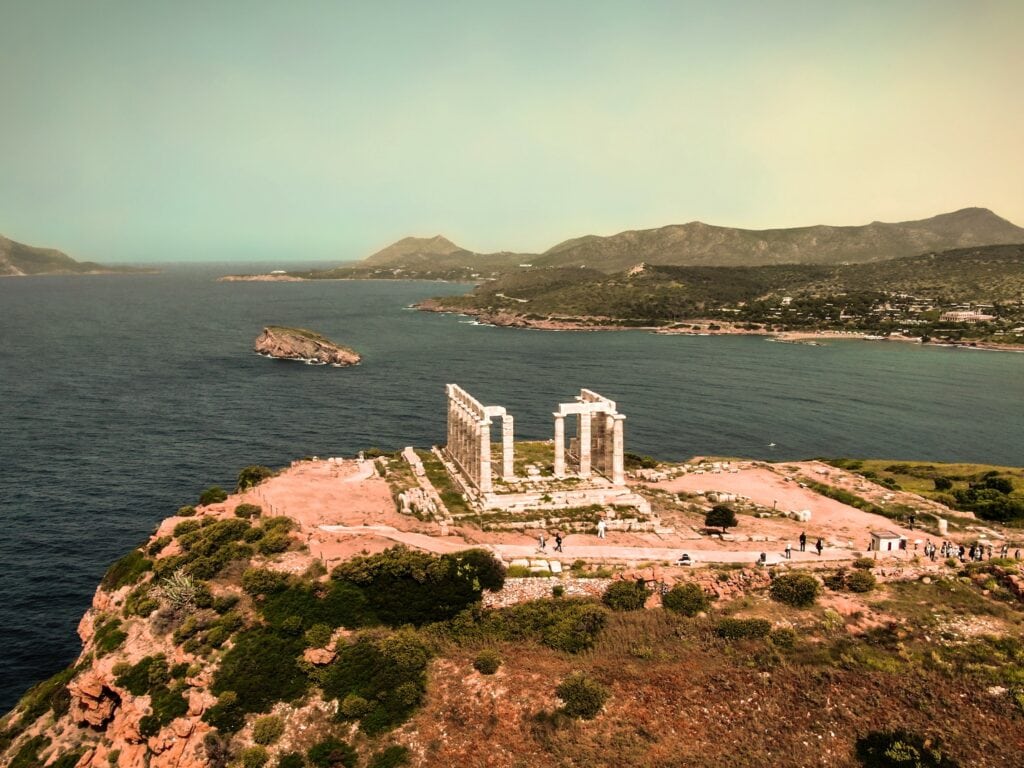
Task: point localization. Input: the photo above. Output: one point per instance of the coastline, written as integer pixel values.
(724, 328)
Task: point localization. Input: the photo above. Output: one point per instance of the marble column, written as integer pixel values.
(618, 462)
(608, 446)
(484, 461)
(559, 445)
(585, 444)
(508, 470)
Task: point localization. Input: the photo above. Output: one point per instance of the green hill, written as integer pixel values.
(17, 259)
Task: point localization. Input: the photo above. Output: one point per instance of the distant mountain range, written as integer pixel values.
(699, 244)
(18, 259)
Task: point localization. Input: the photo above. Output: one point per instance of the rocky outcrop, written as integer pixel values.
(303, 345)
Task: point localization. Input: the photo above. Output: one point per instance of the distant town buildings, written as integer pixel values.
(965, 316)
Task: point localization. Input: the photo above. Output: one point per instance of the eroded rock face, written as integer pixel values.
(300, 344)
(93, 703)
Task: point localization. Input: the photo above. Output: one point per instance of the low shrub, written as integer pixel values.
(487, 662)
(558, 591)
(261, 581)
(224, 603)
(273, 543)
(388, 673)
(109, 637)
(291, 760)
(799, 590)
(565, 624)
(128, 570)
(394, 756)
(860, 581)
(864, 563)
(261, 668)
(187, 511)
(331, 753)
(253, 475)
(227, 715)
(404, 586)
(581, 696)
(248, 511)
(254, 757)
(319, 635)
(688, 599)
(212, 495)
(625, 595)
(743, 629)
(157, 545)
(27, 755)
(901, 749)
(783, 637)
(267, 730)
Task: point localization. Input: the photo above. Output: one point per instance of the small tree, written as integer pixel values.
(248, 511)
(212, 495)
(900, 749)
(583, 696)
(720, 516)
(253, 475)
(943, 483)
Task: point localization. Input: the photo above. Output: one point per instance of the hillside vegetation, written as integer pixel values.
(20, 259)
(669, 293)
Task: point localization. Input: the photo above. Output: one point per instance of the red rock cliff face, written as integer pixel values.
(300, 344)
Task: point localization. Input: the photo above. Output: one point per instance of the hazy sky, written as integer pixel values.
(139, 131)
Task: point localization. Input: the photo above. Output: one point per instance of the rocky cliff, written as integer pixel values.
(301, 344)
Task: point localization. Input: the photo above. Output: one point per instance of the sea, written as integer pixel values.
(123, 396)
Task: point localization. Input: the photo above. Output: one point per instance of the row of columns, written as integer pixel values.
(469, 438)
(599, 443)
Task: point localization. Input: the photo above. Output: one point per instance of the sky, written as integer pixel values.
(142, 131)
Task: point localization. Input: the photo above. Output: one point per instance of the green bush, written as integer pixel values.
(212, 495)
(157, 545)
(253, 475)
(227, 715)
(261, 581)
(42, 697)
(743, 629)
(860, 581)
(27, 755)
(389, 673)
(254, 757)
(274, 543)
(336, 604)
(404, 586)
(291, 760)
(319, 635)
(783, 637)
(558, 591)
(187, 511)
(582, 696)
(688, 599)
(67, 760)
(109, 637)
(625, 595)
(224, 603)
(900, 749)
(248, 511)
(570, 625)
(394, 756)
(864, 563)
(267, 729)
(331, 753)
(487, 662)
(799, 590)
(128, 570)
(262, 669)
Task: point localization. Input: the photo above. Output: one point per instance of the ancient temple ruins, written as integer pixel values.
(589, 470)
(469, 437)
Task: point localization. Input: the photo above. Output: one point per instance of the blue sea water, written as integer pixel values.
(122, 396)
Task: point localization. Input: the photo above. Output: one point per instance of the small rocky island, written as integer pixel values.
(301, 344)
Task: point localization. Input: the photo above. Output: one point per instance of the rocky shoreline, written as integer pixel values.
(304, 346)
(514, 320)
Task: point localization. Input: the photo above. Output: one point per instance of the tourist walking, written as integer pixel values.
(558, 542)
(803, 541)
(600, 529)
(819, 546)
(789, 551)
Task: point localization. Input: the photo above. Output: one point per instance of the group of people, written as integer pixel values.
(819, 546)
(542, 541)
(976, 553)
